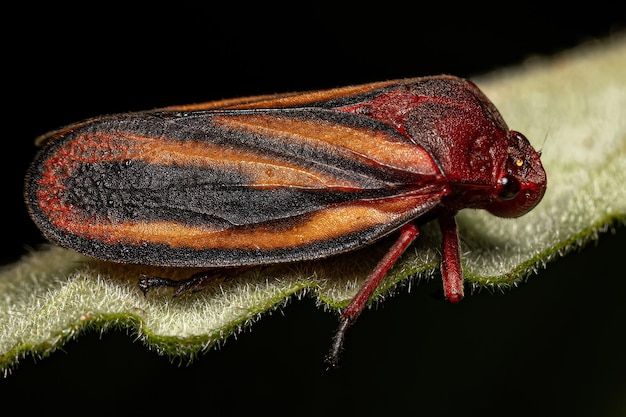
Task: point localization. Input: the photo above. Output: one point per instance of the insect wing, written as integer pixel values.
(228, 187)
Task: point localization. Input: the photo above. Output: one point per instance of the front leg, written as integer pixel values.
(451, 271)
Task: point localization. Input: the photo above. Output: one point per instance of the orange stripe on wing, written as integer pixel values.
(261, 169)
(376, 147)
(266, 101)
(280, 100)
(324, 225)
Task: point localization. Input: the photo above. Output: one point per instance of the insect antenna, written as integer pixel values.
(545, 138)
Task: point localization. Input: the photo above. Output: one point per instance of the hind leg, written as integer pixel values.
(196, 282)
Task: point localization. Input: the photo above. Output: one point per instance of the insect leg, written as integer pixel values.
(194, 283)
(451, 272)
(407, 235)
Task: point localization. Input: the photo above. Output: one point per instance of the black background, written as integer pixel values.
(553, 345)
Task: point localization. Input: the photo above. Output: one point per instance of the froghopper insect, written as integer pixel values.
(284, 178)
